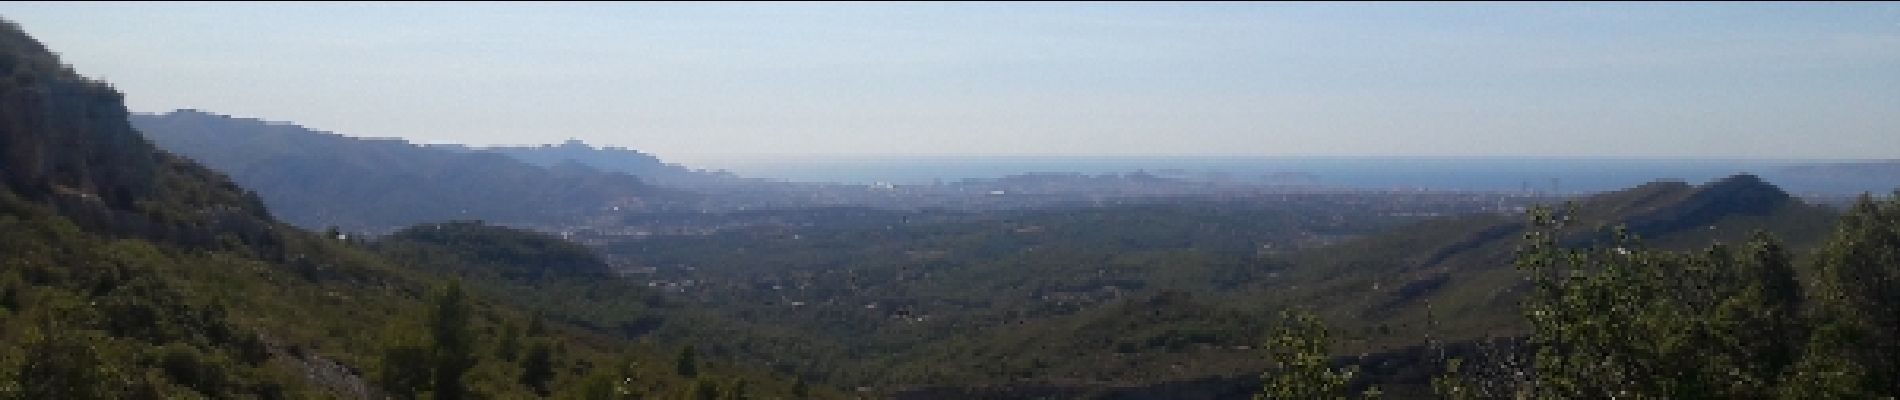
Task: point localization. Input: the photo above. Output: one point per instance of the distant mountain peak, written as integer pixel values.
(193, 111)
(187, 114)
(1747, 191)
(1744, 182)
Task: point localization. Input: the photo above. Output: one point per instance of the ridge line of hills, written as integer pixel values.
(319, 179)
(133, 272)
(1458, 265)
(130, 272)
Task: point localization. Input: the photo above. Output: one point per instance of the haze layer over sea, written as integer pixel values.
(1545, 175)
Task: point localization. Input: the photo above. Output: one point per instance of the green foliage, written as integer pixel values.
(1627, 321)
(405, 371)
(187, 366)
(600, 386)
(1454, 384)
(125, 307)
(537, 367)
(132, 273)
(687, 363)
(620, 380)
(875, 298)
(529, 270)
(1624, 320)
(127, 272)
(510, 347)
(473, 247)
(703, 389)
(1829, 368)
(452, 346)
(737, 389)
(1300, 350)
(67, 366)
(1856, 348)
(870, 298)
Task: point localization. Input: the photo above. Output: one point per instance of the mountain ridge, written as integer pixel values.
(615, 159)
(1460, 268)
(318, 179)
(130, 272)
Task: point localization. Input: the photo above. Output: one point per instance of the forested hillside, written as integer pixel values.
(129, 272)
(1455, 274)
(231, 268)
(1157, 300)
(1619, 318)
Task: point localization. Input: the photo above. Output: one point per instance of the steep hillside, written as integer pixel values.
(319, 179)
(66, 144)
(127, 272)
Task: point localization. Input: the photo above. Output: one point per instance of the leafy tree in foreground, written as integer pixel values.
(1855, 348)
(1300, 352)
(1624, 321)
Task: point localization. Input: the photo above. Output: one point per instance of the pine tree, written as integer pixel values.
(510, 346)
(686, 364)
(452, 350)
(405, 369)
(537, 367)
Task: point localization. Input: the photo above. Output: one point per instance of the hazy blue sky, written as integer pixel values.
(707, 81)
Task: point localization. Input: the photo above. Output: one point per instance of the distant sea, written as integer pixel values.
(1544, 175)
